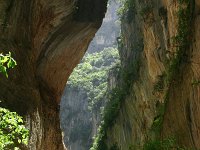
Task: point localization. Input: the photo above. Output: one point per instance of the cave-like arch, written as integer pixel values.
(47, 38)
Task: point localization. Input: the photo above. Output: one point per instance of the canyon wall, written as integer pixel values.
(79, 123)
(159, 43)
(76, 119)
(47, 38)
(109, 31)
(160, 38)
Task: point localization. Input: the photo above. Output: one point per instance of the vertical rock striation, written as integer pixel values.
(76, 119)
(161, 39)
(47, 38)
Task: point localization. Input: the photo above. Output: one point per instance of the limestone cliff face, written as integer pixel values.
(109, 31)
(47, 39)
(76, 119)
(78, 123)
(162, 39)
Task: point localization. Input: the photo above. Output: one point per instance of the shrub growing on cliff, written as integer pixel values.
(181, 43)
(126, 9)
(13, 134)
(6, 62)
(112, 108)
(182, 39)
(169, 143)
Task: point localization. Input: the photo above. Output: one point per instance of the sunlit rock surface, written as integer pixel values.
(47, 38)
(148, 40)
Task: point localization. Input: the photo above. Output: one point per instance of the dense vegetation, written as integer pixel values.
(13, 134)
(92, 73)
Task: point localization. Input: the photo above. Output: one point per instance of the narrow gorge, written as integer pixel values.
(85, 93)
(140, 91)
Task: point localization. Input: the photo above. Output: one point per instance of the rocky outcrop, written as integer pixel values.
(47, 38)
(161, 39)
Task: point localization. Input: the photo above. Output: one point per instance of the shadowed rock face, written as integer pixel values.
(47, 38)
(148, 38)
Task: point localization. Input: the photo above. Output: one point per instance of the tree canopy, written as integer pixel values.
(92, 73)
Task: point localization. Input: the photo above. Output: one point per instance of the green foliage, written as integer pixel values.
(99, 142)
(158, 120)
(114, 104)
(135, 147)
(13, 134)
(92, 73)
(166, 144)
(181, 42)
(132, 147)
(195, 82)
(114, 147)
(169, 143)
(6, 62)
(182, 39)
(146, 10)
(126, 9)
(109, 115)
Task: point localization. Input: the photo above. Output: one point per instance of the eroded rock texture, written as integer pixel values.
(148, 32)
(47, 38)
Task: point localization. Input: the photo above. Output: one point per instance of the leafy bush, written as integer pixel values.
(126, 9)
(6, 62)
(13, 134)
